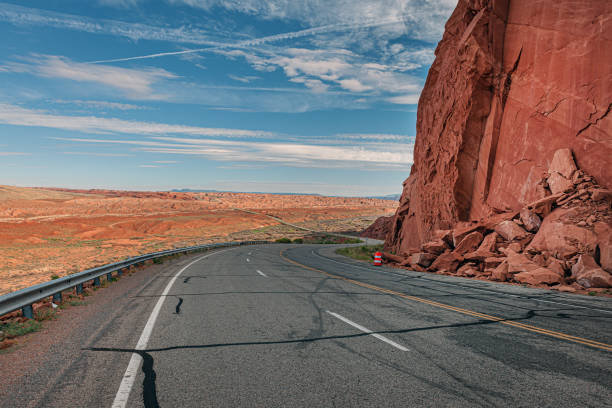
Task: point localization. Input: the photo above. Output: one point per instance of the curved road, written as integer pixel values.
(299, 326)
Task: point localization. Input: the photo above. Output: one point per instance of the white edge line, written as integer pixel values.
(261, 273)
(123, 394)
(368, 331)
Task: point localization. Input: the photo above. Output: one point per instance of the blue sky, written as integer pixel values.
(306, 96)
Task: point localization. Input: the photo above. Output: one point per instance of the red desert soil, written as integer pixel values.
(47, 232)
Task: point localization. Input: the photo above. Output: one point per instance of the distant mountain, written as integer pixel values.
(188, 190)
(392, 197)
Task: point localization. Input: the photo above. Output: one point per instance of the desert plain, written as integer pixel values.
(48, 233)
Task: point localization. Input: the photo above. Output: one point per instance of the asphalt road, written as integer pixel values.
(299, 326)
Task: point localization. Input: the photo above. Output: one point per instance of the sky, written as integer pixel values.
(300, 96)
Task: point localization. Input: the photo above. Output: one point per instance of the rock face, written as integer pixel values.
(379, 229)
(513, 82)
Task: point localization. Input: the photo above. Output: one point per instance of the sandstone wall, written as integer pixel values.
(512, 82)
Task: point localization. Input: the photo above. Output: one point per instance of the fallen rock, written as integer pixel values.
(510, 231)
(587, 273)
(559, 184)
(555, 266)
(421, 258)
(500, 273)
(565, 288)
(601, 194)
(435, 247)
(493, 262)
(515, 246)
(530, 220)
(468, 270)
(538, 276)
(460, 233)
(469, 243)
(393, 258)
(448, 261)
(559, 235)
(518, 263)
(543, 206)
(488, 243)
(563, 163)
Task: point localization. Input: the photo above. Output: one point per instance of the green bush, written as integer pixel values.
(298, 241)
(283, 241)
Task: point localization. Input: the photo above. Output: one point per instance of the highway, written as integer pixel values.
(300, 326)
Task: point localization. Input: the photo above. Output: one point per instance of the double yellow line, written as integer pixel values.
(535, 329)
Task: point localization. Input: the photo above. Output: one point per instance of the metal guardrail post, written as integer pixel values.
(27, 312)
(96, 281)
(57, 298)
(79, 288)
(109, 277)
(119, 273)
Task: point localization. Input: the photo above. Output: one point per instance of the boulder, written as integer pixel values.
(563, 163)
(379, 229)
(488, 243)
(393, 258)
(518, 263)
(434, 247)
(561, 237)
(530, 220)
(448, 261)
(543, 206)
(421, 258)
(588, 274)
(461, 232)
(469, 243)
(538, 276)
(555, 266)
(510, 231)
(469, 270)
(601, 195)
(493, 262)
(500, 273)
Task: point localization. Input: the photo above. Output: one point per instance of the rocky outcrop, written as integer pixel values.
(561, 240)
(379, 229)
(513, 82)
(514, 137)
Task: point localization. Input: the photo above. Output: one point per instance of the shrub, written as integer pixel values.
(298, 241)
(283, 241)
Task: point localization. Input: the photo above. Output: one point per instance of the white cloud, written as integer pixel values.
(350, 155)
(411, 99)
(137, 83)
(423, 19)
(354, 85)
(21, 16)
(149, 166)
(100, 104)
(119, 3)
(244, 79)
(15, 115)
(97, 154)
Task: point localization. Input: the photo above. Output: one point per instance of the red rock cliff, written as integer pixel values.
(512, 82)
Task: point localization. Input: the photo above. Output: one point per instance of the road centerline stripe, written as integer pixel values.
(261, 273)
(501, 320)
(368, 331)
(127, 383)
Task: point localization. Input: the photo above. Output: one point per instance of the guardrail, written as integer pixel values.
(24, 298)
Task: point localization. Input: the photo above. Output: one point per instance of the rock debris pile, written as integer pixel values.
(562, 240)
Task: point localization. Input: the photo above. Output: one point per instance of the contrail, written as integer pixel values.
(262, 40)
